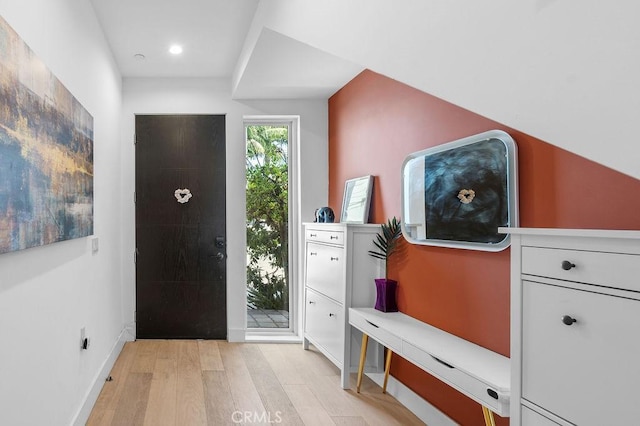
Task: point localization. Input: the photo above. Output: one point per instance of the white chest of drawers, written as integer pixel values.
(575, 327)
(339, 274)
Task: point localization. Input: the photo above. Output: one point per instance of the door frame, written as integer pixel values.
(295, 229)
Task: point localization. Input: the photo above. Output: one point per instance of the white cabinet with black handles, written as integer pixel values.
(575, 327)
(339, 274)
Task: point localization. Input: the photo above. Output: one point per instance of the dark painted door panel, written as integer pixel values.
(180, 262)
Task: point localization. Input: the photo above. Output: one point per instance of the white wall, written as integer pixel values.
(565, 72)
(48, 293)
(213, 96)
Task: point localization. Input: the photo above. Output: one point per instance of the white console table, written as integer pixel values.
(479, 373)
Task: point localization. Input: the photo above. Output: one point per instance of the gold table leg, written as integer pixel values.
(387, 364)
(488, 417)
(363, 355)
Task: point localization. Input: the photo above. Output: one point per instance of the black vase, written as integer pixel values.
(386, 295)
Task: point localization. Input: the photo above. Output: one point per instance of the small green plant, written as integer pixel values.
(387, 240)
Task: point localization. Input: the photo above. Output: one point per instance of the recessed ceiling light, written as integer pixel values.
(176, 49)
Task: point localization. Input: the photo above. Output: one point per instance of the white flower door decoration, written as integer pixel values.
(182, 195)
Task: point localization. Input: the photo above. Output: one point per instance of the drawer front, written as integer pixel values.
(531, 418)
(605, 269)
(473, 387)
(324, 324)
(586, 371)
(325, 236)
(389, 340)
(325, 270)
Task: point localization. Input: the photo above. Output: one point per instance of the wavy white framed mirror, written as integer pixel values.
(457, 194)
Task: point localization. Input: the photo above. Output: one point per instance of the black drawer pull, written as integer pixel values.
(566, 265)
(567, 320)
(331, 315)
(333, 237)
(442, 362)
(334, 259)
(311, 302)
(493, 394)
(313, 235)
(372, 324)
(313, 253)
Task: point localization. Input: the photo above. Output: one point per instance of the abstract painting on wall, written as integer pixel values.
(46, 152)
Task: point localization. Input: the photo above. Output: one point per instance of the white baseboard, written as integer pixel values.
(414, 403)
(236, 335)
(90, 399)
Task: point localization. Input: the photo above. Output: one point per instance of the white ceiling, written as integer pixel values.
(212, 33)
(284, 68)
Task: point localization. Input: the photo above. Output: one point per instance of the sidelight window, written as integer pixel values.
(267, 201)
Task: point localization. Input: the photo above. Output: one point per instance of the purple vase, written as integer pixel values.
(386, 295)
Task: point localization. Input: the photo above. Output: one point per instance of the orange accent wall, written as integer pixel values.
(374, 123)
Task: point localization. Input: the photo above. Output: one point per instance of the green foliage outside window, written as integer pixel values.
(267, 217)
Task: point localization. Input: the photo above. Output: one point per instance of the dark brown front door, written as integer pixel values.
(180, 246)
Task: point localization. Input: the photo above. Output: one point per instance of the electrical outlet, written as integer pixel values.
(84, 340)
(95, 245)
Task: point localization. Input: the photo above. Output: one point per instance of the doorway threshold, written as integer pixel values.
(262, 337)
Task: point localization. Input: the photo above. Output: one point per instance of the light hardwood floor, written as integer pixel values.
(212, 382)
